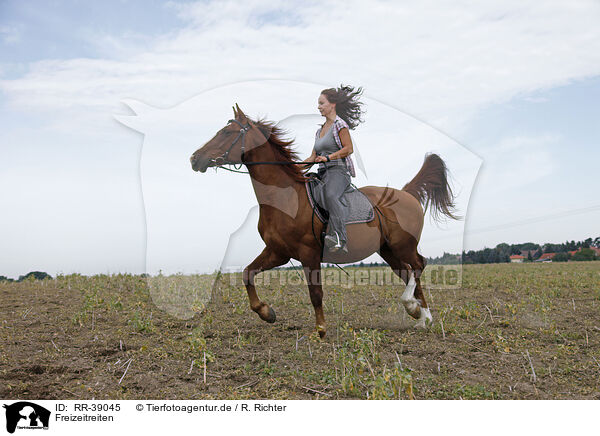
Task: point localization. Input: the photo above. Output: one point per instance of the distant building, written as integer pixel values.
(546, 257)
(517, 258)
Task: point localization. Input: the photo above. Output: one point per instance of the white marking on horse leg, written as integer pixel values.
(409, 292)
(425, 319)
(411, 304)
(428, 316)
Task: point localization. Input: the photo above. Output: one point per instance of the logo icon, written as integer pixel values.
(26, 415)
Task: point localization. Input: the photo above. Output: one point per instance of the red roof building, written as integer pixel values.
(516, 258)
(546, 257)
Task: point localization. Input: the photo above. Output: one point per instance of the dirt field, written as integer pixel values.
(527, 331)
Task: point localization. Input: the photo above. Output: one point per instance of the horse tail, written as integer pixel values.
(430, 187)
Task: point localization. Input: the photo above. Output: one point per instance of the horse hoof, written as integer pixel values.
(271, 318)
(420, 325)
(425, 319)
(322, 331)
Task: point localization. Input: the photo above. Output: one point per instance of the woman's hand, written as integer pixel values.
(310, 160)
(321, 159)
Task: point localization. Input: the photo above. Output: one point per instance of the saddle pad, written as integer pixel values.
(361, 209)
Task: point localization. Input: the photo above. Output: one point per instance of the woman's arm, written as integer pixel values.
(346, 149)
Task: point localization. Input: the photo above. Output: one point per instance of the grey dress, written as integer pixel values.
(336, 178)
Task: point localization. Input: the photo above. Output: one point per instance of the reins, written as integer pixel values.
(237, 168)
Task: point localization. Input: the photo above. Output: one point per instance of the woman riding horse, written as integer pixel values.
(287, 223)
(332, 151)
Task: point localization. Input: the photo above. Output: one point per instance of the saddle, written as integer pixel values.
(360, 208)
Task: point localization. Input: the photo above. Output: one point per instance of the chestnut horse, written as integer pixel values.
(289, 227)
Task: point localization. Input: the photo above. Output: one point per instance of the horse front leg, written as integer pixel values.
(312, 271)
(266, 260)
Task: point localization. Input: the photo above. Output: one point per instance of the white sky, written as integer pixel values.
(513, 82)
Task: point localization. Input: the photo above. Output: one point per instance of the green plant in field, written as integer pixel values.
(359, 373)
(500, 342)
(473, 392)
(79, 318)
(198, 346)
(92, 302)
(141, 323)
(468, 311)
(241, 340)
(511, 309)
(325, 377)
(207, 319)
(116, 303)
(267, 368)
(391, 383)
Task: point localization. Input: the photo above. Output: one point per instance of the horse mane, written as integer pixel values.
(284, 151)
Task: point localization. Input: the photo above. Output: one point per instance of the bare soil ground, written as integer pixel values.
(513, 331)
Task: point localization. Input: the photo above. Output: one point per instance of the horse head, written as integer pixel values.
(230, 143)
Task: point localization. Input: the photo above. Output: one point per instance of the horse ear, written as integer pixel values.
(234, 112)
(240, 114)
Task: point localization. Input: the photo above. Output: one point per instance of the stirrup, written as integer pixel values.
(334, 244)
(332, 241)
(343, 248)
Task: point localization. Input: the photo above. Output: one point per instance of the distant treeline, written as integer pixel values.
(529, 250)
(35, 275)
(501, 253)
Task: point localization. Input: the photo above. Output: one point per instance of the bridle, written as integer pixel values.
(224, 158)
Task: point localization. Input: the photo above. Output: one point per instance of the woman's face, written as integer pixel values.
(325, 107)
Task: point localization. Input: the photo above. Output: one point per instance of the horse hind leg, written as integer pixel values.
(425, 318)
(412, 298)
(411, 304)
(402, 270)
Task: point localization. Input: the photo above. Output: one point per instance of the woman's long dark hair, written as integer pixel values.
(346, 102)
